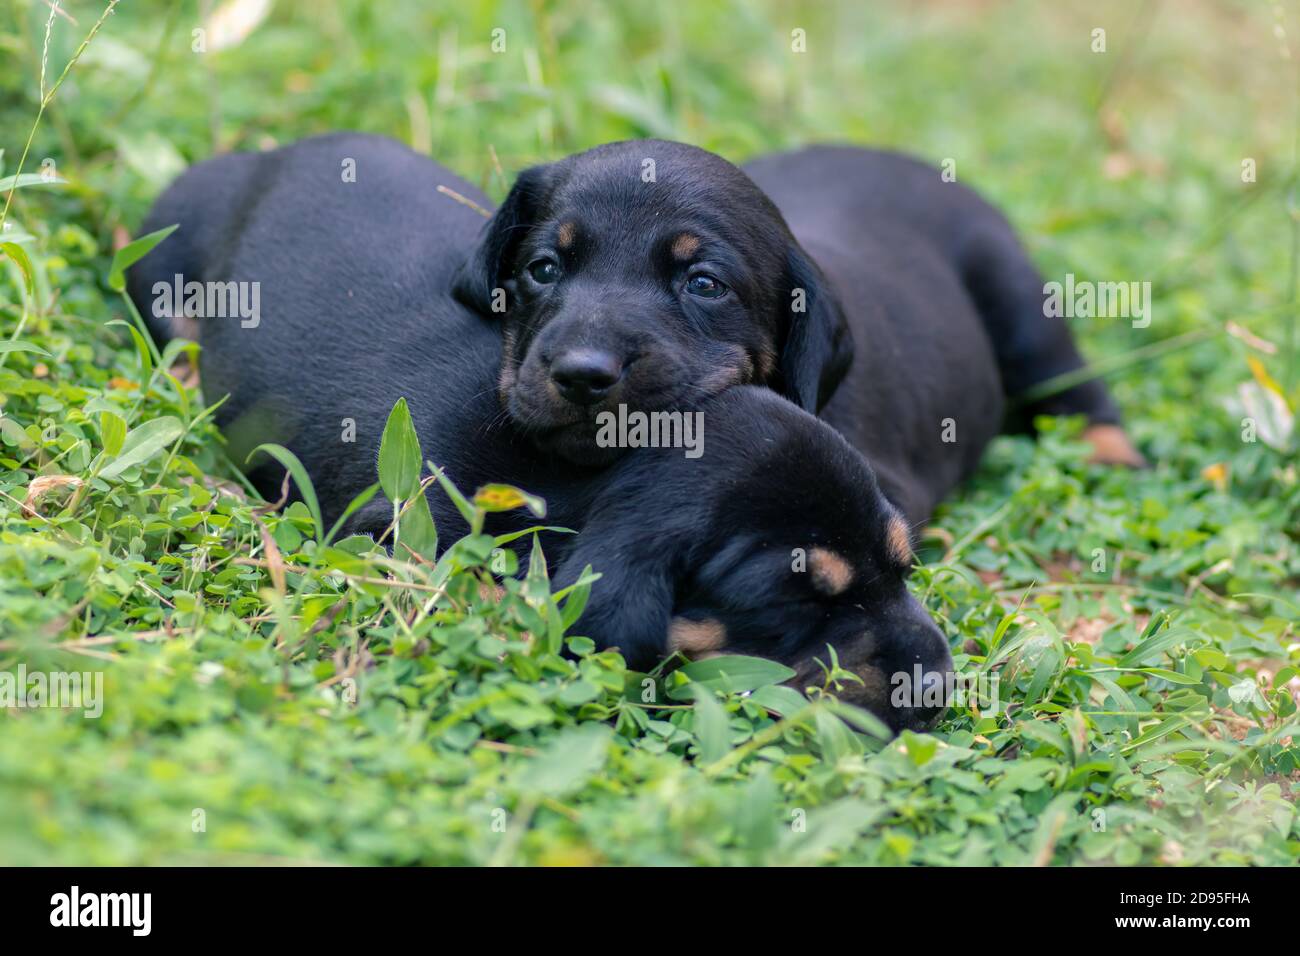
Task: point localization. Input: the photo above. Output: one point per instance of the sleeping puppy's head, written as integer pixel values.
(649, 274)
(777, 543)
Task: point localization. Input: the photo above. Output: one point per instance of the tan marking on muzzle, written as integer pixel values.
(831, 574)
(696, 639)
(899, 541)
(873, 692)
(568, 232)
(727, 374)
(874, 689)
(684, 246)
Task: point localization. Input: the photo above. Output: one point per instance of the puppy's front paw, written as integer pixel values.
(1111, 446)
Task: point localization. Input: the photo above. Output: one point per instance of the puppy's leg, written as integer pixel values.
(1032, 346)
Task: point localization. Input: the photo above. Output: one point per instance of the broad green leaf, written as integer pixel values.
(733, 673)
(133, 252)
(22, 180)
(112, 431)
(399, 455)
(782, 701)
(758, 814)
(570, 760)
(1046, 732)
(921, 748)
(142, 443)
(711, 728)
(19, 256)
(834, 737)
(865, 721)
(23, 347)
(149, 155)
(576, 602)
(416, 530)
(829, 828)
(12, 434)
(1050, 821)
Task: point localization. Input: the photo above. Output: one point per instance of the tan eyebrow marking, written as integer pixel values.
(685, 245)
(831, 574)
(568, 232)
(696, 638)
(899, 541)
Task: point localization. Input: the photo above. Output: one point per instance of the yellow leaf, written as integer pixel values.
(1217, 475)
(1261, 375)
(507, 498)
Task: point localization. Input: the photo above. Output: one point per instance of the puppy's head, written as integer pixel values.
(649, 274)
(778, 543)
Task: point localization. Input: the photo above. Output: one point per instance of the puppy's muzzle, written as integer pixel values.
(586, 376)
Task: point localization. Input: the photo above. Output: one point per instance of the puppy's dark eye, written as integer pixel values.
(544, 271)
(705, 286)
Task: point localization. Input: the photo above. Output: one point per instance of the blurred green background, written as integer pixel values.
(1160, 691)
(1117, 164)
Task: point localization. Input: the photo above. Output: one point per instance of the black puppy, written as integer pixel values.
(653, 274)
(777, 542)
(354, 275)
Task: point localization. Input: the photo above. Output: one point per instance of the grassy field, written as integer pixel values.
(268, 696)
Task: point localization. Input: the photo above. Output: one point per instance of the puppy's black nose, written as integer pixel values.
(585, 376)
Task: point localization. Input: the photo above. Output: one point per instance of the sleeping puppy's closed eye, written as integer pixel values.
(649, 274)
(776, 543)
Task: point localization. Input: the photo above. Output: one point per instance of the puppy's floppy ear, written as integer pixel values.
(818, 348)
(483, 272)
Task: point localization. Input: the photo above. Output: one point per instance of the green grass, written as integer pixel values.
(269, 697)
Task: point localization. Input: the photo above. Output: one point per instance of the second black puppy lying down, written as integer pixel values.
(715, 554)
(776, 542)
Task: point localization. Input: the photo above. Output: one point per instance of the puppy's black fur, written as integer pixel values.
(944, 308)
(777, 542)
